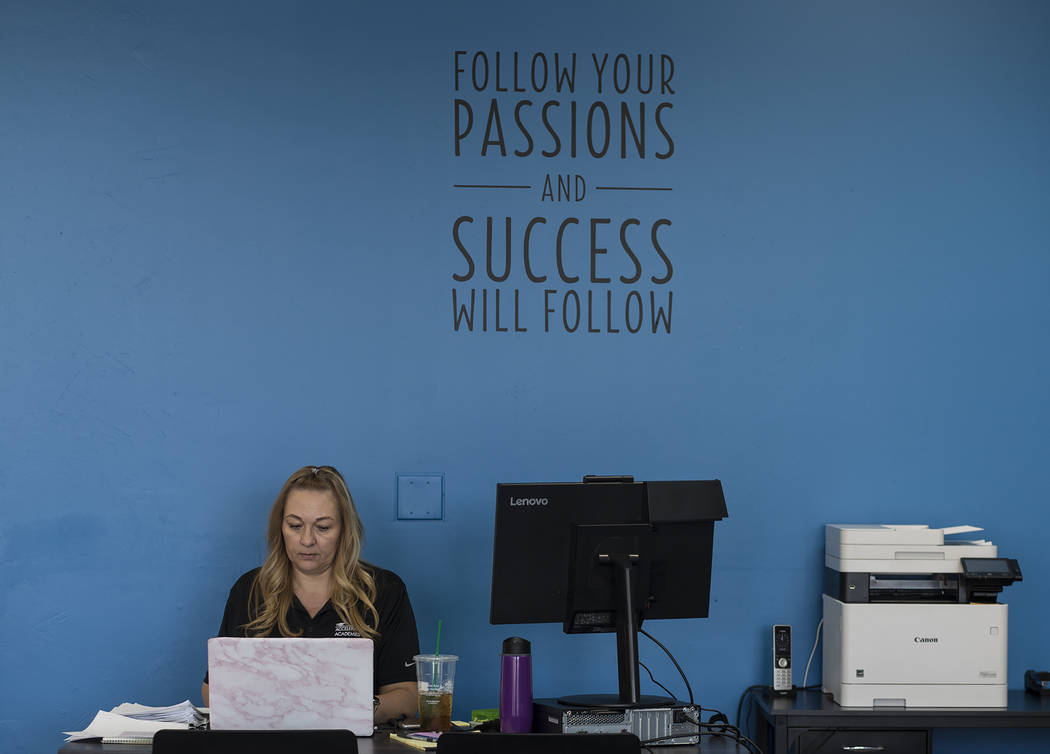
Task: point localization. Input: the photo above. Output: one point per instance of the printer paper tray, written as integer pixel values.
(919, 695)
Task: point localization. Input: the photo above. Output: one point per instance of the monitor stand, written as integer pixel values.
(627, 621)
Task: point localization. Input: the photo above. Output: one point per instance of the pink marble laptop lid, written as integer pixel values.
(290, 684)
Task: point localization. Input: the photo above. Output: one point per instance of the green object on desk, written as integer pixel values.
(483, 715)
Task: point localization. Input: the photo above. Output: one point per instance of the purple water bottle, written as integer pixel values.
(515, 686)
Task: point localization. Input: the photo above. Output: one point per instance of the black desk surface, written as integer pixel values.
(380, 743)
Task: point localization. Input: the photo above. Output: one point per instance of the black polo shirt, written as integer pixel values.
(394, 648)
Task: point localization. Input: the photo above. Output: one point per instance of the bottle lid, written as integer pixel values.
(515, 645)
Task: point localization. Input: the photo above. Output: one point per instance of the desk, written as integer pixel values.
(811, 722)
(380, 743)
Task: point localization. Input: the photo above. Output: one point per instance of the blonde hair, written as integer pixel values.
(353, 587)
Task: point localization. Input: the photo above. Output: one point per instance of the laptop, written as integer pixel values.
(530, 743)
(252, 742)
(290, 684)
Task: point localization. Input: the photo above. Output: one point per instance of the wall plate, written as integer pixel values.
(420, 497)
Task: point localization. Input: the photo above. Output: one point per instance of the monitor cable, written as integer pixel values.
(717, 725)
(666, 690)
(689, 688)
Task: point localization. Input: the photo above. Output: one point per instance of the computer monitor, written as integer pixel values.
(603, 555)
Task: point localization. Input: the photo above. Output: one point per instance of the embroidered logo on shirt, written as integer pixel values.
(341, 629)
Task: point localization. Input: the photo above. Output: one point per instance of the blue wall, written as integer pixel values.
(226, 250)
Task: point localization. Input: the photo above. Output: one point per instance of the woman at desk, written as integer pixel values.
(314, 584)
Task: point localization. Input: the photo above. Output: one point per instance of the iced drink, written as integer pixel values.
(435, 711)
(434, 677)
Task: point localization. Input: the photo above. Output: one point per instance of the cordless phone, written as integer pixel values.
(781, 658)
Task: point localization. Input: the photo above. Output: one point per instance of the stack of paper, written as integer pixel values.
(130, 720)
(108, 725)
(176, 713)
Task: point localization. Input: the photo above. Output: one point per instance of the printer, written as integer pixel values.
(912, 619)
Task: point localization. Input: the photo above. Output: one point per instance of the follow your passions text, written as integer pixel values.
(596, 274)
(507, 120)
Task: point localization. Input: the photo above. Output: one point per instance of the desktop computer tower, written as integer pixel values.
(671, 725)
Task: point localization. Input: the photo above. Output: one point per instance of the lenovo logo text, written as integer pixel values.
(528, 501)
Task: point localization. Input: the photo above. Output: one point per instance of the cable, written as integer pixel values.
(668, 652)
(735, 735)
(816, 640)
(743, 696)
(746, 695)
(723, 730)
(726, 730)
(747, 717)
(673, 697)
(718, 719)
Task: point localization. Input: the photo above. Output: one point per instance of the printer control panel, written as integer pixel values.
(986, 577)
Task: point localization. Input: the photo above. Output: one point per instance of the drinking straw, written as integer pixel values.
(437, 650)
